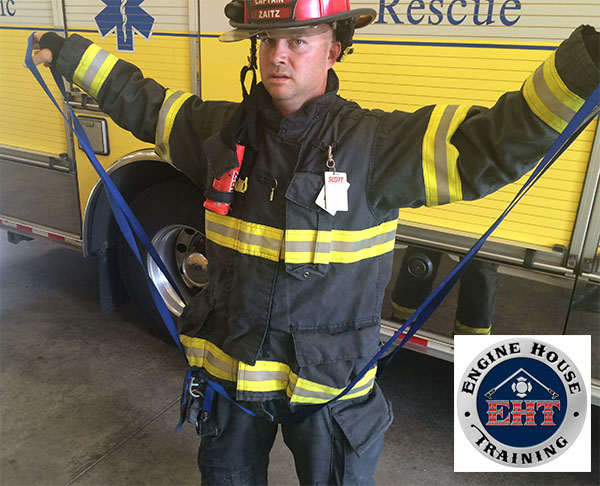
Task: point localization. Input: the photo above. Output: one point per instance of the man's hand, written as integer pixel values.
(40, 55)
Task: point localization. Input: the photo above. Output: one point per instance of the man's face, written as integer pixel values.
(293, 66)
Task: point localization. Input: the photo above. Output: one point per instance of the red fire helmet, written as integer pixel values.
(249, 17)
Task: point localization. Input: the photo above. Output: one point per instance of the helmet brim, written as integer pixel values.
(362, 17)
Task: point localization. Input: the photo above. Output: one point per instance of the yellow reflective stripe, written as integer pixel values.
(440, 158)
(166, 118)
(373, 251)
(558, 87)
(429, 175)
(102, 74)
(306, 391)
(402, 312)
(462, 329)
(84, 63)
(454, 182)
(204, 354)
(248, 238)
(301, 246)
(264, 376)
(94, 67)
(548, 96)
(269, 376)
(339, 246)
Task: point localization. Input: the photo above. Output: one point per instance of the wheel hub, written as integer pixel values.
(182, 250)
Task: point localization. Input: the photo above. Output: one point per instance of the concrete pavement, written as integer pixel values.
(92, 399)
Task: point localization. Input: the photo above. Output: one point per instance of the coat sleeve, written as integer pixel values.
(175, 121)
(446, 153)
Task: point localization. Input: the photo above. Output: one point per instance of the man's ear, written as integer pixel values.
(335, 48)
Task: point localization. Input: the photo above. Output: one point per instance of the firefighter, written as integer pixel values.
(299, 263)
(476, 298)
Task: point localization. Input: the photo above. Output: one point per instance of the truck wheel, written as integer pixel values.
(173, 217)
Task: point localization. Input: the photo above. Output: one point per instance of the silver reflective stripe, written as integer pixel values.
(93, 68)
(341, 246)
(548, 98)
(303, 392)
(211, 359)
(251, 375)
(160, 126)
(441, 158)
(241, 236)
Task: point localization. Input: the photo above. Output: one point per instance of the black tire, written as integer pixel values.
(173, 217)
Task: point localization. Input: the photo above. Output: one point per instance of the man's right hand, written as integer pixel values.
(40, 55)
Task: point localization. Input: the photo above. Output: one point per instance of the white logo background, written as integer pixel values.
(577, 458)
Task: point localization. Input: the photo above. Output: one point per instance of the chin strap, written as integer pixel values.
(250, 67)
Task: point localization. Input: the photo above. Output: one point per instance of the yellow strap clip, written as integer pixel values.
(241, 185)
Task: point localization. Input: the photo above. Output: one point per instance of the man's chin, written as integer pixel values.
(278, 91)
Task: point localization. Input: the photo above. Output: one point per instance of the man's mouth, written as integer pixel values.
(279, 76)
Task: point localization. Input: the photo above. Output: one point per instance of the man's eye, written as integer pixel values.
(298, 42)
(267, 40)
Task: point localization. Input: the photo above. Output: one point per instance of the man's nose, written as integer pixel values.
(280, 51)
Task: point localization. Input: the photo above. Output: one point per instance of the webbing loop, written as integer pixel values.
(125, 218)
(129, 224)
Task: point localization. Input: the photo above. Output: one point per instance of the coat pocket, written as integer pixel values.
(364, 423)
(195, 313)
(308, 228)
(220, 158)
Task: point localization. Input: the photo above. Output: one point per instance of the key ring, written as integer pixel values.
(330, 162)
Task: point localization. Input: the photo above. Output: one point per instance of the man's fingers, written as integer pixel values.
(43, 56)
(36, 39)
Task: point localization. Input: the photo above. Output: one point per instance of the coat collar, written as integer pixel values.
(301, 119)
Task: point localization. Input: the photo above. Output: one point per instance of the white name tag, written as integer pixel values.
(334, 194)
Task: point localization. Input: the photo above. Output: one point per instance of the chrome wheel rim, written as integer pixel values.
(182, 249)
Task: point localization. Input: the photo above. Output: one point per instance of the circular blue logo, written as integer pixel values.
(521, 402)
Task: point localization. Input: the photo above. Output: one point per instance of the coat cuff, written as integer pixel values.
(577, 61)
(54, 42)
(70, 55)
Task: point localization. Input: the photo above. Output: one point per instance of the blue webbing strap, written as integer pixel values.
(125, 217)
(115, 199)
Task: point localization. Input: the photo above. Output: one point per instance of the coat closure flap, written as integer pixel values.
(220, 157)
(304, 189)
(349, 341)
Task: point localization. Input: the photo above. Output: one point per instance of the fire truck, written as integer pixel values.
(416, 53)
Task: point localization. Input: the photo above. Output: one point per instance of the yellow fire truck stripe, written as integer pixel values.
(166, 118)
(266, 376)
(548, 96)
(440, 157)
